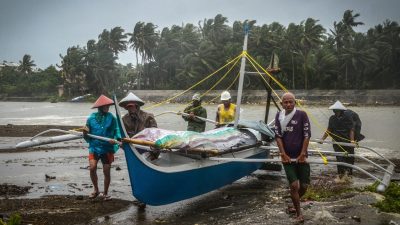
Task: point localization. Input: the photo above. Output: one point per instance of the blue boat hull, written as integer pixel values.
(155, 187)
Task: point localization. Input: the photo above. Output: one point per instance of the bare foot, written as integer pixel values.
(299, 219)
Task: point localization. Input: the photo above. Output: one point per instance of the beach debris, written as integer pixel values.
(356, 218)
(323, 216)
(48, 177)
(226, 197)
(222, 207)
(73, 185)
(13, 190)
(118, 168)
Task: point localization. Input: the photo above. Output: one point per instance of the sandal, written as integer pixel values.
(105, 197)
(93, 195)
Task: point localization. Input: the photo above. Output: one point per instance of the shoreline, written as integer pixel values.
(11, 130)
(260, 198)
(376, 97)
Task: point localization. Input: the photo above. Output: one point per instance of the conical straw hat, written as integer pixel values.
(338, 106)
(130, 98)
(102, 101)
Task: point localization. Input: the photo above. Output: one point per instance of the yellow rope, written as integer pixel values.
(259, 73)
(325, 160)
(219, 81)
(232, 83)
(193, 86)
(223, 77)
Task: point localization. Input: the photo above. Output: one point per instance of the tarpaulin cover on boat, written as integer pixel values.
(221, 138)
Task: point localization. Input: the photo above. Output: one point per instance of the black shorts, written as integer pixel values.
(297, 171)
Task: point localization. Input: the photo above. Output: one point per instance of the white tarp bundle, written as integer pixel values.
(221, 138)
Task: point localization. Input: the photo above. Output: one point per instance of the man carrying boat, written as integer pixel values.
(194, 110)
(226, 110)
(136, 119)
(292, 133)
(101, 123)
(341, 128)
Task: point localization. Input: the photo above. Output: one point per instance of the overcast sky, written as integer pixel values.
(46, 28)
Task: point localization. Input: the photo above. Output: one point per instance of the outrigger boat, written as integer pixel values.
(176, 176)
(188, 172)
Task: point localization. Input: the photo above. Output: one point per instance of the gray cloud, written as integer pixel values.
(46, 28)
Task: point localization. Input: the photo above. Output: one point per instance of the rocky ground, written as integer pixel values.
(60, 210)
(261, 198)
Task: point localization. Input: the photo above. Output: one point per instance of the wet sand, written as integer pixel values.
(11, 130)
(260, 198)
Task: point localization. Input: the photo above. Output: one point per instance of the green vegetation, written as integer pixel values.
(391, 202)
(25, 82)
(15, 219)
(324, 189)
(176, 57)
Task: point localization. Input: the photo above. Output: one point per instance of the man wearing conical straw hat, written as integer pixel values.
(136, 119)
(101, 123)
(341, 128)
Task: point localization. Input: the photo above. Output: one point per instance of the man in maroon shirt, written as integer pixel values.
(292, 133)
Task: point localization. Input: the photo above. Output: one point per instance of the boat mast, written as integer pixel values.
(241, 76)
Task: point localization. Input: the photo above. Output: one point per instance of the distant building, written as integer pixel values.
(8, 64)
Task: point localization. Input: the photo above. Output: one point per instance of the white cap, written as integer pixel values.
(225, 96)
(338, 106)
(130, 98)
(196, 97)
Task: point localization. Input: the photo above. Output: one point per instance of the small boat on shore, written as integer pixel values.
(162, 174)
(183, 174)
(80, 98)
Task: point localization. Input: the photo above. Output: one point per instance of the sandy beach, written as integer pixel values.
(51, 197)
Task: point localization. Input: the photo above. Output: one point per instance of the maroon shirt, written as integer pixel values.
(297, 129)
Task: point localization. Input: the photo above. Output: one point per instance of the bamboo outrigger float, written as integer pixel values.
(185, 173)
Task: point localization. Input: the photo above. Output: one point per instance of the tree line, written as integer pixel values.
(176, 57)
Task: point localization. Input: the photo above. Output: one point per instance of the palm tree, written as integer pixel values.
(114, 40)
(73, 70)
(216, 30)
(291, 47)
(26, 64)
(344, 37)
(144, 41)
(118, 40)
(311, 39)
(386, 39)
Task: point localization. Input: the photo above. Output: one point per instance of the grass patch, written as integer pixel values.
(391, 202)
(15, 219)
(325, 188)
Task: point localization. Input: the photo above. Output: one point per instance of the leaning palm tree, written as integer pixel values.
(344, 38)
(113, 39)
(117, 40)
(144, 41)
(26, 64)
